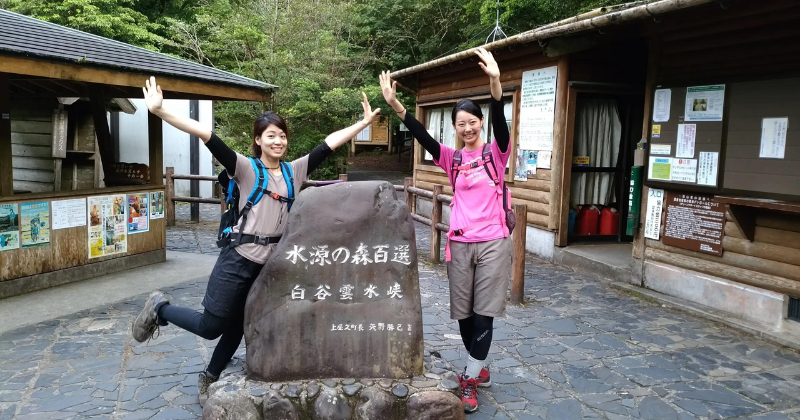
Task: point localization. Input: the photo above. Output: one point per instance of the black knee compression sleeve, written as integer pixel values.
(481, 336)
(467, 326)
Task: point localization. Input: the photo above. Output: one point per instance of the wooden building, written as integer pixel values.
(64, 197)
(710, 86)
(379, 133)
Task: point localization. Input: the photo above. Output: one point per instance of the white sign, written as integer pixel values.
(704, 103)
(687, 133)
(69, 213)
(661, 104)
(660, 149)
(773, 137)
(655, 202)
(544, 159)
(684, 170)
(707, 168)
(537, 109)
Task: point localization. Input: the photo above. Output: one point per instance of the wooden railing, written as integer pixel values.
(169, 192)
(437, 227)
(435, 221)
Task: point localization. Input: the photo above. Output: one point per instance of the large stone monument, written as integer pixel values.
(339, 297)
(333, 324)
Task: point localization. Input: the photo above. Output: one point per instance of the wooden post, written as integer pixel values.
(194, 161)
(6, 169)
(169, 194)
(104, 142)
(436, 217)
(518, 264)
(155, 135)
(221, 198)
(561, 160)
(407, 184)
(343, 177)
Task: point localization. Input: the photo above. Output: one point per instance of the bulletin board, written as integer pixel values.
(686, 143)
(751, 146)
(762, 152)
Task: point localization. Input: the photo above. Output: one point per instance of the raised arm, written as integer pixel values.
(389, 89)
(154, 99)
(489, 66)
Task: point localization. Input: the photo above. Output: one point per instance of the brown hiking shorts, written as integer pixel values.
(479, 273)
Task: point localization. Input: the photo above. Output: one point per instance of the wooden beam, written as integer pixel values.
(561, 189)
(6, 168)
(155, 136)
(66, 71)
(560, 141)
(101, 129)
(745, 220)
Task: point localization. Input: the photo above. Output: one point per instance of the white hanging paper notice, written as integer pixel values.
(686, 139)
(773, 137)
(661, 104)
(707, 168)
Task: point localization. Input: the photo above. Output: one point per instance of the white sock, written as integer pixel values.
(474, 367)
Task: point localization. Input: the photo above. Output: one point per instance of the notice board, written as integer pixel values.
(686, 136)
(734, 138)
(694, 222)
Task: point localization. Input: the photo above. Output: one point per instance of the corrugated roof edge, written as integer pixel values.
(103, 65)
(595, 19)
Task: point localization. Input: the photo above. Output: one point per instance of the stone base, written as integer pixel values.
(434, 396)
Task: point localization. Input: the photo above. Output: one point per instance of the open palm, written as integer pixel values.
(388, 88)
(488, 64)
(153, 97)
(369, 114)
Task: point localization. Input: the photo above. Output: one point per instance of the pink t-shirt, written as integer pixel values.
(476, 198)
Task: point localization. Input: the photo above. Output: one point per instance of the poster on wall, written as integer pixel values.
(157, 205)
(521, 173)
(773, 137)
(704, 103)
(660, 168)
(655, 203)
(694, 222)
(661, 105)
(9, 227)
(138, 220)
(707, 168)
(684, 170)
(34, 223)
(532, 160)
(544, 159)
(537, 109)
(69, 213)
(107, 225)
(687, 133)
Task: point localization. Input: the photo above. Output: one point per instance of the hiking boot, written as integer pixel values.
(484, 380)
(469, 394)
(146, 323)
(204, 380)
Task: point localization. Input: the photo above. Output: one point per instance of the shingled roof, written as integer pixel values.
(28, 37)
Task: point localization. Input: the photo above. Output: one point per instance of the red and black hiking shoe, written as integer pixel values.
(469, 394)
(484, 379)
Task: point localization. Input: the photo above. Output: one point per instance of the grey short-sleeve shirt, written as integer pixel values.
(269, 216)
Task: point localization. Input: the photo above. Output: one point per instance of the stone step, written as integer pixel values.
(608, 261)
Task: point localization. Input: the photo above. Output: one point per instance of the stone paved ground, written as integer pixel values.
(578, 350)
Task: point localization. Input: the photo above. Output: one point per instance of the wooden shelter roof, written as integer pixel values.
(41, 50)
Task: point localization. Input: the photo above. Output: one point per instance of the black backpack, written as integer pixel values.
(231, 216)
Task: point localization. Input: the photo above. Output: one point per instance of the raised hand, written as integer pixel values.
(369, 114)
(153, 96)
(488, 64)
(389, 89)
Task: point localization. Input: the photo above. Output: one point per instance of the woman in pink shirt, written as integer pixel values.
(479, 248)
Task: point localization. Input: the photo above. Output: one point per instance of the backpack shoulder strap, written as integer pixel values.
(260, 185)
(488, 162)
(288, 176)
(455, 168)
